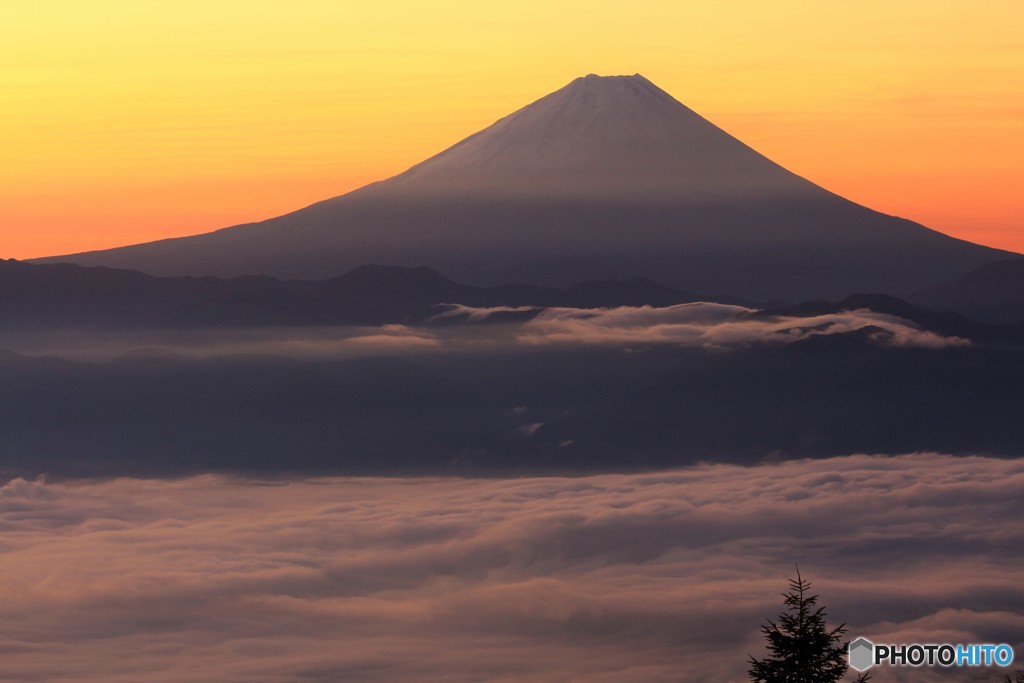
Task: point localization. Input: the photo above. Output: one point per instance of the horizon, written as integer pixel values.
(189, 136)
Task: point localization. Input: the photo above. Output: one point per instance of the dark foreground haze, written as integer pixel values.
(552, 391)
(658, 577)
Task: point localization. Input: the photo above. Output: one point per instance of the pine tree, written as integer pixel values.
(801, 647)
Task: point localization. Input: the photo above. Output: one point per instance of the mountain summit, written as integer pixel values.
(602, 137)
(608, 177)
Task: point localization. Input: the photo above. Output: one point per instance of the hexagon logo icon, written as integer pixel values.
(861, 653)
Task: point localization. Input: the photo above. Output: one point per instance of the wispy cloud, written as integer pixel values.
(477, 314)
(657, 577)
(701, 325)
(708, 325)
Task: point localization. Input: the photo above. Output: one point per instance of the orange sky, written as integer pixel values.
(122, 122)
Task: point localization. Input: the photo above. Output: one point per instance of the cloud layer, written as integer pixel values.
(695, 325)
(711, 325)
(653, 577)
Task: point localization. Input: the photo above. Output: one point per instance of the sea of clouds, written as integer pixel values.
(654, 577)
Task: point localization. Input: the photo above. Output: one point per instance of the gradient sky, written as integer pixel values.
(126, 121)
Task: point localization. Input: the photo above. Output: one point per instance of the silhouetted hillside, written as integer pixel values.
(67, 294)
(993, 293)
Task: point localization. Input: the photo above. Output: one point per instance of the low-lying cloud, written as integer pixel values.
(654, 577)
(457, 328)
(710, 325)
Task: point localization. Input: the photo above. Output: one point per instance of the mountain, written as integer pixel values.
(66, 294)
(608, 177)
(992, 293)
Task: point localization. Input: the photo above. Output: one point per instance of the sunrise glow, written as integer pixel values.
(125, 122)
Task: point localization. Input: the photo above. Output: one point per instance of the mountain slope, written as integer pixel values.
(993, 293)
(602, 138)
(608, 177)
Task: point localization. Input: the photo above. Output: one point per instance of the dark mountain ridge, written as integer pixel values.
(68, 294)
(993, 293)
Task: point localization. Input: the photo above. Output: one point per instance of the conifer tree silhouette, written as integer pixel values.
(801, 647)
